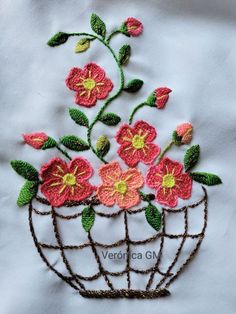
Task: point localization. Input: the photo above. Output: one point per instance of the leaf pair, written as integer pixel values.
(190, 160)
(30, 188)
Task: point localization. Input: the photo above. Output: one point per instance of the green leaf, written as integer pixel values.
(25, 170)
(82, 45)
(205, 178)
(58, 39)
(191, 157)
(153, 217)
(50, 143)
(110, 119)
(74, 143)
(133, 86)
(79, 117)
(103, 145)
(88, 218)
(97, 25)
(27, 192)
(124, 54)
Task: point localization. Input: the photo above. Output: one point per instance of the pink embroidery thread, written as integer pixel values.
(89, 84)
(169, 182)
(119, 187)
(66, 182)
(136, 143)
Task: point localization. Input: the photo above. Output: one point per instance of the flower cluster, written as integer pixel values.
(61, 182)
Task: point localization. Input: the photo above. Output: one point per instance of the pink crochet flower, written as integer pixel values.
(66, 182)
(119, 187)
(169, 181)
(36, 140)
(133, 26)
(136, 143)
(89, 84)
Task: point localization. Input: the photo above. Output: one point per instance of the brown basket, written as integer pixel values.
(151, 289)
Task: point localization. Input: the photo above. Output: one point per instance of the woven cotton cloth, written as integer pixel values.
(186, 45)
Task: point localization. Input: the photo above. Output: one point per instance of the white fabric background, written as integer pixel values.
(188, 46)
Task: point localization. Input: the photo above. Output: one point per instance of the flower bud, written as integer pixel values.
(39, 140)
(36, 140)
(102, 145)
(132, 27)
(159, 97)
(183, 134)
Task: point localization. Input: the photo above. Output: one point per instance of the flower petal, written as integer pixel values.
(129, 199)
(125, 135)
(110, 173)
(80, 192)
(167, 197)
(74, 78)
(94, 71)
(106, 195)
(184, 186)
(154, 177)
(133, 178)
(170, 166)
(143, 128)
(149, 153)
(55, 168)
(103, 88)
(85, 98)
(129, 154)
(81, 168)
(55, 192)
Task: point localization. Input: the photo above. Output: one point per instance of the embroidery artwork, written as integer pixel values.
(62, 191)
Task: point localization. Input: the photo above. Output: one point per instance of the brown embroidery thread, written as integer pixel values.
(168, 277)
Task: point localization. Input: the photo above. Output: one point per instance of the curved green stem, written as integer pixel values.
(168, 146)
(143, 104)
(115, 32)
(64, 152)
(109, 100)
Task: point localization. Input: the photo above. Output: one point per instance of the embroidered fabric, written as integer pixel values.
(172, 110)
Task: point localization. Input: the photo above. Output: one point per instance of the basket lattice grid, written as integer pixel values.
(151, 289)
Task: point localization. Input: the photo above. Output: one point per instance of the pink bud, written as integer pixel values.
(134, 26)
(36, 140)
(162, 96)
(185, 130)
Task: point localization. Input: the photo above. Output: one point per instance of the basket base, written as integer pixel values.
(125, 293)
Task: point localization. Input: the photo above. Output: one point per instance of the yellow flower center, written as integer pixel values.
(69, 179)
(168, 181)
(121, 187)
(138, 142)
(89, 84)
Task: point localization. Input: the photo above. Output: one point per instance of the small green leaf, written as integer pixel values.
(82, 45)
(27, 192)
(133, 86)
(58, 39)
(97, 25)
(191, 157)
(124, 54)
(25, 170)
(153, 217)
(103, 145)
(205, 178)
(74, 143)
(88, 218)
(110, 119)
(176, 138)
(50, 143)
(79, 117)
